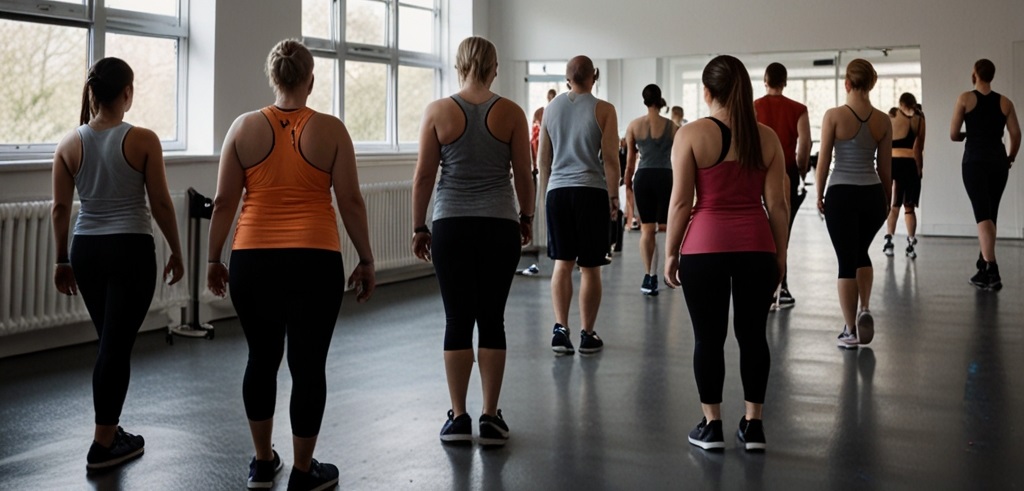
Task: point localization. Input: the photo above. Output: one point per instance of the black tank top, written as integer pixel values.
(985, 124)
(906, 141)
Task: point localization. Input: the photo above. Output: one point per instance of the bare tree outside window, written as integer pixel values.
(41, 82)
(155, 63)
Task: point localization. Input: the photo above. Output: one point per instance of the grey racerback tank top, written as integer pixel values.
(113, 194)
(855, 158)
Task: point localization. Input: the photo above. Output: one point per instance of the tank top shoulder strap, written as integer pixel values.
(726, 139)
(288, 125)
(862, 121)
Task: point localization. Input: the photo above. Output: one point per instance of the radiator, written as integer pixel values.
(28, 298)
(29, 301)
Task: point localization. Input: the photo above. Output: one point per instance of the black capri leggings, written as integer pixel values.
(652, 190)
(295, 293)
(707, 280)
(475, 259)
(117, 277)
(853, 215)
(985, 182)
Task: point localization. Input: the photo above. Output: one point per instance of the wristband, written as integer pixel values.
(422, 229)
(524, 218)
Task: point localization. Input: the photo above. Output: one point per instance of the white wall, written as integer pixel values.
(951, 35)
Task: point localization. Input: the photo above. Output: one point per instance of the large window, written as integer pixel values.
(46, 48)
(377, 66)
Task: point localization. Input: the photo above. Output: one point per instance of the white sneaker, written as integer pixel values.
(847, 340)
(533, 270)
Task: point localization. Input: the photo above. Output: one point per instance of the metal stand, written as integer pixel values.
(199, 207)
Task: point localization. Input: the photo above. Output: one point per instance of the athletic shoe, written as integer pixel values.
(457, 430)
(751, 434)
(590, 342)
(645, 287)
(993, 281)
(560, 342)
(533, 270)
(911, 242)
(980, 263)
(319, 477)
(125, 447)
(865, 327)
(786, 300)
(262, 472)
(654, 285)
(847, 340)
(493, 430)
(980, 279)
(708, 435)
(888, 248)
(634, 225)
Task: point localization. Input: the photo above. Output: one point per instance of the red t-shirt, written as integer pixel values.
(781, 113)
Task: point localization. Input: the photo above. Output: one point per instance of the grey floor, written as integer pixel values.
(930, 405)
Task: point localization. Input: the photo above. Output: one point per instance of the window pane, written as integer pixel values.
(419, 3)
(415, 29)
(41, 82)
(547, 68)
(316, 18)
(155, 63)
(366, 22)
(415, 91)
(322, 98)
(366, 100)
(161, 7)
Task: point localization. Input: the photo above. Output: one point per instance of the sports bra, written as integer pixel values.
(906, 141)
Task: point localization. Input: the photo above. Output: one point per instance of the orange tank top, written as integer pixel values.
(287, 201)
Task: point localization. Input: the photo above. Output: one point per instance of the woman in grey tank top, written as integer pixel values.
(112, 261)
(476, 138)
(651, 179)
(857, 201)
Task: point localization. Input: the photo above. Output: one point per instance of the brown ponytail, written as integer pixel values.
(104, 83)
(728, 82)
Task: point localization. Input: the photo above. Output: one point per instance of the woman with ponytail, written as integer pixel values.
(651, 179)
(857, 199)
(112, 261)
(732, 243)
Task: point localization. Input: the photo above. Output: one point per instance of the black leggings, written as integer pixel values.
(853, 215)
(985, 182)
(707, 280)
(475, 259)
(652, 190)
(117, 277)
(295, 293)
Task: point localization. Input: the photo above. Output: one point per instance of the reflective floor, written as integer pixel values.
(930, 405)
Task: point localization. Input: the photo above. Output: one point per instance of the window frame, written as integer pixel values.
(389, 55)
(98, 21)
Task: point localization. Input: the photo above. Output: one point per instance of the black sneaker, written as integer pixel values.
(980, 279)
(262, 472)
(493, 430)
(786, 300)
(751, 435)
(125, 447)
(888, 247)
(590, 342)
(319, 477)
(654, 286)
(994, 282)
(560, 342)
(708, 435)
(457, 430)
(645, 286)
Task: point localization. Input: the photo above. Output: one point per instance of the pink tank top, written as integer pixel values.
(729, 215)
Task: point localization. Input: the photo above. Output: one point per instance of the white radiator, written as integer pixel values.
(28, 298)
(389, 212)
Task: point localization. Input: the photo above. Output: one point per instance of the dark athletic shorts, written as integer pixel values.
(652, 189)
(908, 182)
(578, 225)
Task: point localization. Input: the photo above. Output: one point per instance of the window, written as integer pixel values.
(386, 55)
(46, 48)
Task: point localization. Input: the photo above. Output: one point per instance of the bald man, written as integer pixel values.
(578, 158)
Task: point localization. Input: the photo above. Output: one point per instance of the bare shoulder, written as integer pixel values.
(509, 108)
(768, 135)
(140, 134)
(1005, 104)
(604, 107)
(324, 120)
(71, 141)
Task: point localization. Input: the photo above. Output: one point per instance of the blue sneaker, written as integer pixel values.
(560, 342)
(457, 430)
(262, 472)
(319, 477)
(590, 342)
